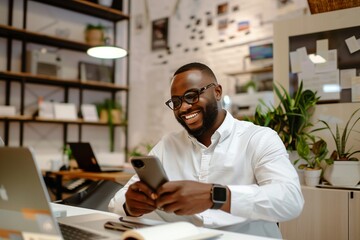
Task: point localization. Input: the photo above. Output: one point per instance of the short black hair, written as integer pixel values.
(197, 66)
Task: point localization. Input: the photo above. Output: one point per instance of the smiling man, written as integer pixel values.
(230, 174)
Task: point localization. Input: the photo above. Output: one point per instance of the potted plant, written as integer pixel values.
(343, 167)
(110, 112)
(95, 34)
(313, 152)
(291, 117)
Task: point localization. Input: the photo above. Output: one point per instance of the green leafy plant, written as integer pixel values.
(95, 34)
(109, 105)
(141, 150)
(342, 153)
(312, 151)
(291, 117)
(93, 26)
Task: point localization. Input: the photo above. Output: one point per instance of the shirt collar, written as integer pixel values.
(222, 132)
(226, 126)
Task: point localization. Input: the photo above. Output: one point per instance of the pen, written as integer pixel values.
(134, 223)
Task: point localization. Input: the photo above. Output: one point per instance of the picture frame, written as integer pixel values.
(89, 113)
(65, 111)
(95, 72)
(159, 36)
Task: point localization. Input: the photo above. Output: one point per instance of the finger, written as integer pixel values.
(170, 208)
(140, 204)
(143, 188)
(165, 200)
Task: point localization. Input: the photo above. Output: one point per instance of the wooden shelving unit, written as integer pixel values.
(53, 81)
(25, 36)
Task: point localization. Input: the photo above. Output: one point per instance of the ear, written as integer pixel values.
(218, 92)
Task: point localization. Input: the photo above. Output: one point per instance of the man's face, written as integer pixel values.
(199, 117)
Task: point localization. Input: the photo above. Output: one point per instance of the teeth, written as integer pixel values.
(191, 116)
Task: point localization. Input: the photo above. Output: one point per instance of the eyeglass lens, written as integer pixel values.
(189, 97)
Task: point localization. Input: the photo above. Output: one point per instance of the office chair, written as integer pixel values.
(96, 196)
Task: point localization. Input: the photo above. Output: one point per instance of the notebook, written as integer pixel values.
(86, 159)
(25, 212)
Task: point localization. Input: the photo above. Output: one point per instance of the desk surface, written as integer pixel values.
(75, 211)
(121, 177)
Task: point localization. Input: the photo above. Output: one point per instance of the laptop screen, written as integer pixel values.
(85, 157)
(24, 209)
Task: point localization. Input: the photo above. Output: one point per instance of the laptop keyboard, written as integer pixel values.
(73, 233)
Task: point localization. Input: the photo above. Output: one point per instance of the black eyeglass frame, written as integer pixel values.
(182, 98)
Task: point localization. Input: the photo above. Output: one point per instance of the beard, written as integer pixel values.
(209, 117)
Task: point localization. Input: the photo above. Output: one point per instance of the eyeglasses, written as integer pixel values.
(191, 96)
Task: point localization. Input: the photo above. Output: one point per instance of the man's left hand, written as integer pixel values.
(184, 197)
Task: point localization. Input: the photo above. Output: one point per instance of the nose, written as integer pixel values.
(185, 106)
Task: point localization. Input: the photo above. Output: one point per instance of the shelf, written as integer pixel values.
(20, 118)
(88, 8)
(20, 34)
(42, 79)
(254, 71)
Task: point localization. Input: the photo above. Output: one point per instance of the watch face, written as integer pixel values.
(219, 194)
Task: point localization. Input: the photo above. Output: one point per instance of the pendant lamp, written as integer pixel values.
(107, 51)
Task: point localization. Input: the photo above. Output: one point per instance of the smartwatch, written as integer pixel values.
(218, 196)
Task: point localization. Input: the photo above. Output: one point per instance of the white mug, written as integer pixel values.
(55, 164)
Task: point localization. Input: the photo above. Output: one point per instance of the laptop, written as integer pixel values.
(25, 211)
(86, 159)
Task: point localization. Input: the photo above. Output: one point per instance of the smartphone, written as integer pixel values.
(150, 170)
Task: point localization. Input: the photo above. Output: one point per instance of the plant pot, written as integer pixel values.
(293, 156)
(312, 177)
(116, 116)
(343, 173)
(94, 37)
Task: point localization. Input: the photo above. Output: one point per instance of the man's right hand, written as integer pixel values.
(140, 199)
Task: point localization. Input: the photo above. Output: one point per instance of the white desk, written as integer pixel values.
(74, 211)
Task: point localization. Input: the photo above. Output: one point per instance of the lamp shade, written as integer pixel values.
(106, 52)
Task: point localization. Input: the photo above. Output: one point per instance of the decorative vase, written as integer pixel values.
(343, 173)
(312, 177)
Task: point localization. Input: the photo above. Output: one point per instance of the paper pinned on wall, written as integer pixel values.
(325, 84)
(295, 62)
(331, 63)
(353, 44)
(345, 77)
(307, 69)
(322, 46)
(355, 89)
(300, 62)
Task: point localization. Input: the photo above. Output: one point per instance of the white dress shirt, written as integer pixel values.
(251, 160)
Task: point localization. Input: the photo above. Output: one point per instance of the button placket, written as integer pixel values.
(204, 166)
